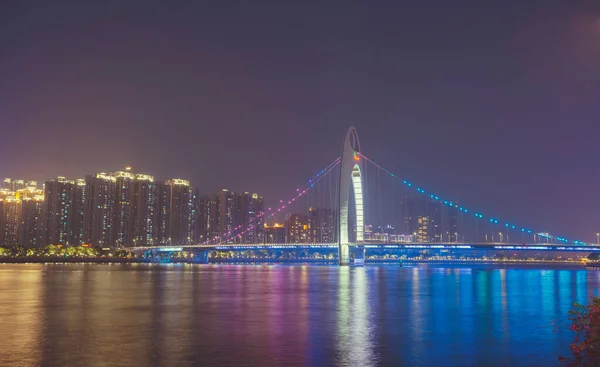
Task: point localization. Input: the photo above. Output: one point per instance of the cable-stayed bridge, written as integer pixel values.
(355, 205)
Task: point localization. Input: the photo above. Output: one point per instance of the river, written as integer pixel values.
(287, 315)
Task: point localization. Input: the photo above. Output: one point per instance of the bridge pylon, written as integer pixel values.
(351, 168)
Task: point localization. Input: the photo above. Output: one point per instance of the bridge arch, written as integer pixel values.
(351, 168)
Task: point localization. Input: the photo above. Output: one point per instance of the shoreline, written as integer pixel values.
(62, 260)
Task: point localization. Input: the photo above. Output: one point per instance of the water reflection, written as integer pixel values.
(140, 315)
(355, 337)
(20, 316)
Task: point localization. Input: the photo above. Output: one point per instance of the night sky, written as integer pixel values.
(493, 103)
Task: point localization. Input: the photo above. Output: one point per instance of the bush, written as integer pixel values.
(586, 324)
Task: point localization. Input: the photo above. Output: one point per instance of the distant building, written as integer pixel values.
(144, 211)
(7, 184)
(435, 221)
(62, 203)
(99, 204)
(32, 224)
(275, 233)
(122, 232)
(182, 211)
(453, 225)
(423, 229)
(21, 214)
(163, 200)
(298, 228)
(250, 218)
(423, 219)
(18, 185)
(221, 215)
(10, 221)
(15, 185)
(204, 218)
(321, 223)
(227, 217)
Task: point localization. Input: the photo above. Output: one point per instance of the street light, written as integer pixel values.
(597, 239)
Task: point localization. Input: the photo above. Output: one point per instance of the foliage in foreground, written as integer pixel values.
(60, 251)
(585, 322)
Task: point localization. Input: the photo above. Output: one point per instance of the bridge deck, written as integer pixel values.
(406, 246)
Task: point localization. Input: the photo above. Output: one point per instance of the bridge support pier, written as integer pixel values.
(201, 257)
(358, 256)
(344, 255)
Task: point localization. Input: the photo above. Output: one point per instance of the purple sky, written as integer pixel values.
(493, 103)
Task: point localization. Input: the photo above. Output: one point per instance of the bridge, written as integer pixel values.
(356, 191)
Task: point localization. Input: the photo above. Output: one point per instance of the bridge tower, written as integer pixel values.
(350, 174)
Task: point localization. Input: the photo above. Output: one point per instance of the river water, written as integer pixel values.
(283, 315)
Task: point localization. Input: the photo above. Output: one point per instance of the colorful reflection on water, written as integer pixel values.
(270, 315)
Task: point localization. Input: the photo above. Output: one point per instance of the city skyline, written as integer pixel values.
(505, 121)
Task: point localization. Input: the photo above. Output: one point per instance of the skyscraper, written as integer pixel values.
(275, 233)
(163, 193)
(121, 233)
(98, 209)
(7, 184)
(423, 219)
(204, 218)
(320, 221)
(32, 224)
(62, 221)
(10, 221)
(298, 228)
(182, 211)
(18, 185)
(144, 211)
(452, 230)
(250, 218)
(423, 229)
(435, 221)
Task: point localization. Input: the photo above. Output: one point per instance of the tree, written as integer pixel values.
(586, 324)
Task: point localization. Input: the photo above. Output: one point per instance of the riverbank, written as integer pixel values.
(61, 260)
(111, 260)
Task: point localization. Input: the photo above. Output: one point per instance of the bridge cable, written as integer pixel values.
(523, 230)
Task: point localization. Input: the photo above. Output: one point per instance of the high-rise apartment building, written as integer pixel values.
(225, 217)
(453, 224)
(423, 219)
(423, 229)
(435, 221)
(32, 223)
(163, 193)
(204, 218)
(7, 184)
(250, 218)
(182, 211)
(321, 225)
(144, 211)
(62, 205)
(21, 214)
(99, 204)
(18, 185)
(221, 216)
(121, 232)
(298, 228)
(275, 233)
(10, 221)
(108, 210)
